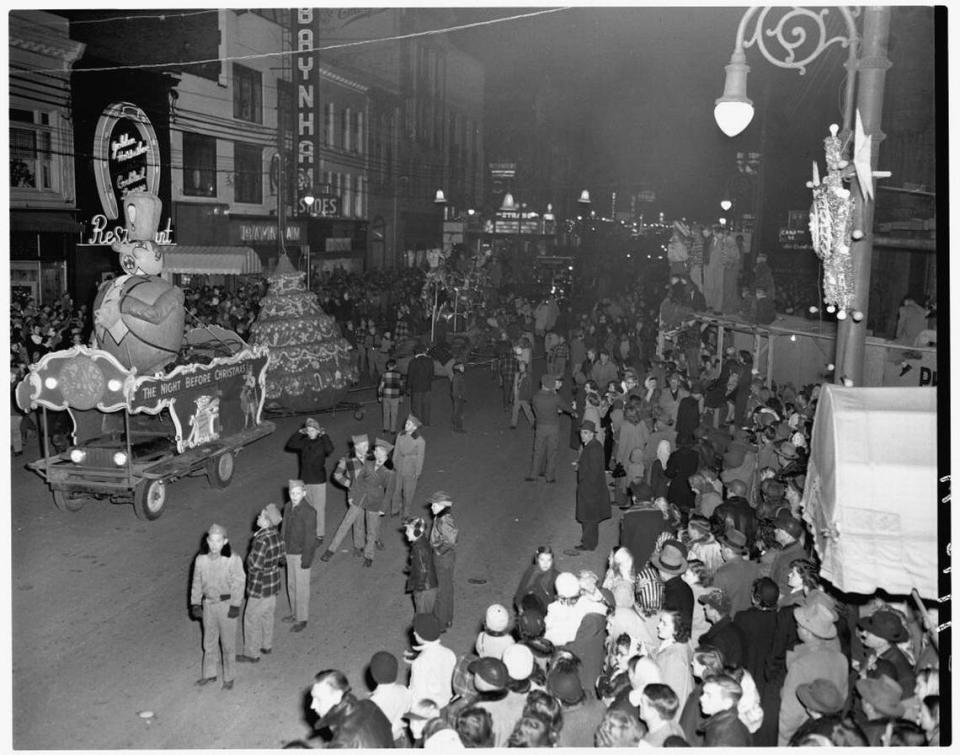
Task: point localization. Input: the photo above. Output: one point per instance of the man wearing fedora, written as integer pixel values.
(816, 657)
(736, 512)
(824, 704)
(738, 572)
(671, 562)
(593, 497)
(880, 632)
(881, 702)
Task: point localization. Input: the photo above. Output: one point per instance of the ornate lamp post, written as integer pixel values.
(866, 73)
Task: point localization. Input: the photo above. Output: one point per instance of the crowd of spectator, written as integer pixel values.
(711, 625)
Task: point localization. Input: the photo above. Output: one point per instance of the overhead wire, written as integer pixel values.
(338, 46)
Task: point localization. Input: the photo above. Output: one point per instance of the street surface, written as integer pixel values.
(100, 622)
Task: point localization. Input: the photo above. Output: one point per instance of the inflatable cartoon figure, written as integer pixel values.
(138, 316)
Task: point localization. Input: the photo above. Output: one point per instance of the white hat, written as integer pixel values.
(445, 739)
(568, 586)
(519, 662)
(497, 619)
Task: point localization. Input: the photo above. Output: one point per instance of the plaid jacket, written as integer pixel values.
(560, 351)
(264, 563)
(391, 385)
(346, 471)
(508, 368)
(401, 330)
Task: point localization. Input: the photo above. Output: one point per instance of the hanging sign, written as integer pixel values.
(101, 234)
(126, 155)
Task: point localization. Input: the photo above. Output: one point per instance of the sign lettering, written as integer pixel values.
(103, 235)
(308, 113)
(126, 155)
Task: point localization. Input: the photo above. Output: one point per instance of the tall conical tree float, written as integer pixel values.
(311, 365)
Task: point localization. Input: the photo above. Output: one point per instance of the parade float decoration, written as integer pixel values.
(311, 365)
(138, 316)
(833, 225)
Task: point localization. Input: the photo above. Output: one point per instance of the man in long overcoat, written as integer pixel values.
(593, 498)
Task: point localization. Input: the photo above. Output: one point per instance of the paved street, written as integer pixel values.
(101, 630)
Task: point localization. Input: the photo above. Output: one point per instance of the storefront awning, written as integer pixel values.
(49, 221)
(211, 260)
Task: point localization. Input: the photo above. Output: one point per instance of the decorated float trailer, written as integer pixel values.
(134, 435)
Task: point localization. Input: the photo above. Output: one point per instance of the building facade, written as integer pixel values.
(43, 198)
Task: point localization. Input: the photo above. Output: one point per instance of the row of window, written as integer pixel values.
(32, 158)
(200, 175)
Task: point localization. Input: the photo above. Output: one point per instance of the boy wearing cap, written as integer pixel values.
(215, 596)
(312, 445)
(299, 542)
(408, 457)
(263, 585)
(345, 475)
(369, 494)
(431, 672)
(393, 698)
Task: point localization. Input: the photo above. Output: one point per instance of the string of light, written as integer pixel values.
(326, 48)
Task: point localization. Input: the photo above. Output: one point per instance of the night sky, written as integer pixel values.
(638, 84)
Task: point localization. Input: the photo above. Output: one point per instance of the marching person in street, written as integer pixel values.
(408, 457)
(443, 540)
(263, 585)
(390, 394)
(370, 493)
(299, 524)
(215, 596)
(593, 498)
(313, 446)
(546, 435)
(458, 394)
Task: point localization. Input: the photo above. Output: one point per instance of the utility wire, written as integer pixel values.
(286, 53)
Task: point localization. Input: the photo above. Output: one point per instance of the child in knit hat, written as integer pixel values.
(393, 698)
(495, 637)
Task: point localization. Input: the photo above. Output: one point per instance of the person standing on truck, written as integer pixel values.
(215, 597)
(313, 446)
(263, 585)
(299, 524)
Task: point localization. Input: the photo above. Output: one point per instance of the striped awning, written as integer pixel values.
(211, 260)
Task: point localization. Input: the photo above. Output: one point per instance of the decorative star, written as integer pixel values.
(862, 149)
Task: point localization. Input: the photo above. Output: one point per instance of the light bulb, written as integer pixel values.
(842, 314)
(857, 316)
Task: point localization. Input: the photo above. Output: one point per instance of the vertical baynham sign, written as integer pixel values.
(309, 108)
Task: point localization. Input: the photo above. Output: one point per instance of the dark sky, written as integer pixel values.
(638, 85)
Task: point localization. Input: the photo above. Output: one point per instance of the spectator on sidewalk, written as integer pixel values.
(299, 524)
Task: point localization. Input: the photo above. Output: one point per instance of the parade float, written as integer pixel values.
(148, 406)
(310, 365)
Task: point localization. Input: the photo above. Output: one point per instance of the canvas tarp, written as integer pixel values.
(210, 260)
(871, 489)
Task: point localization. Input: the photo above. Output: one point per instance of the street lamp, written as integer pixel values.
(440, 200)
(866, 74)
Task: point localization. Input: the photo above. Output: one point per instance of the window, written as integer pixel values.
(345, 130)
(248, 167)
(329, 120)
(31, 152)
(199, 165)
(247, 94)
